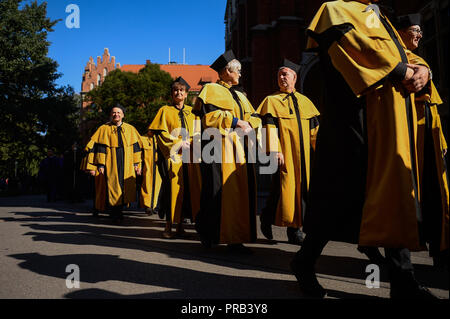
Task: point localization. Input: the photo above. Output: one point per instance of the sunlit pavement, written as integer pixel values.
(43, 246)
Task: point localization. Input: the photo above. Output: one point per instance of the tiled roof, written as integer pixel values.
(135, 68)
(193, 74)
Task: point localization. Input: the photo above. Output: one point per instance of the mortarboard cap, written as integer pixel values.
(183, 82)
(223, 60)
(291, 65)
(406, 21)
(118, 105)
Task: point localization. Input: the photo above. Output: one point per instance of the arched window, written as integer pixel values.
(99, 79)
(105, 72)
(92, 86)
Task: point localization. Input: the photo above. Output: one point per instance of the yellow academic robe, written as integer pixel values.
(282, 135)
(99, 179)
(382, 184)
(228, 204)
(166, 127)
(151, 179)
(120, 183)
(427, 101)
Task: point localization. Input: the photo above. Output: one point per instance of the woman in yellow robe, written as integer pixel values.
(174, 128)
(228, 203)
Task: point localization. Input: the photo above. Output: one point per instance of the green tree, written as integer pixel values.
(36, 114)
(141, 94)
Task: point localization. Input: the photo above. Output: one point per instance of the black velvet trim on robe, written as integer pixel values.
(208, 219)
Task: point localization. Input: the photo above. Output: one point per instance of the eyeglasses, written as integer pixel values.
(416, 30)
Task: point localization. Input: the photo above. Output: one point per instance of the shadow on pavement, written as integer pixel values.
(139, 232)
(185, 283)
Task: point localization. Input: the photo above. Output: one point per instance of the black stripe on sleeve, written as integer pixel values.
(100, 148)
(313, 122)
(268, 119)
(208, 108)
(326, 38)
(136, 148)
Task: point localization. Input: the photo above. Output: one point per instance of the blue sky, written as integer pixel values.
(135, 31)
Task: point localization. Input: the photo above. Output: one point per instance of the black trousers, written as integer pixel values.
(270, 209)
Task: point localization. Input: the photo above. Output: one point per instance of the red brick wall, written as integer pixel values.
(280, 34)
(93, 70)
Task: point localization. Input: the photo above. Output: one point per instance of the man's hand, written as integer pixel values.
(138, 170)
(420, 78)
(244, 126)
(280, 159)
(101, 170)
(92, 173)
(409, 74)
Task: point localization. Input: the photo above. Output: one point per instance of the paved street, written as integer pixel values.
(39, 240)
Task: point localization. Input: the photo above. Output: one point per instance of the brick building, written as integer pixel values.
(95, 73)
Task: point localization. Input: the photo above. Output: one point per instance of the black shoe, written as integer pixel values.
(95, 213)
(307, 280)
(240, 249)
(295, 236)
(149, 211)
(266, 228)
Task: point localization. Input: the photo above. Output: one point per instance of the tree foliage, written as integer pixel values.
(36, 114)
(142, 94)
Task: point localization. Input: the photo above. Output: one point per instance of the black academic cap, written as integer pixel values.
(183, 82)
(223, 60)
(118, 105)
(406, 21)
(291, 65)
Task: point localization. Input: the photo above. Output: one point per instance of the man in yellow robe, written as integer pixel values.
(175, 127)
(117, 156)
(431, 149)
(291, 123)
(363, 186)
(228, 203)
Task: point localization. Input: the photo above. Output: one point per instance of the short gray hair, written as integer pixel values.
(234, 65)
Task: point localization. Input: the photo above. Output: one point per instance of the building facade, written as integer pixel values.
(263, 32)
(95, 73)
